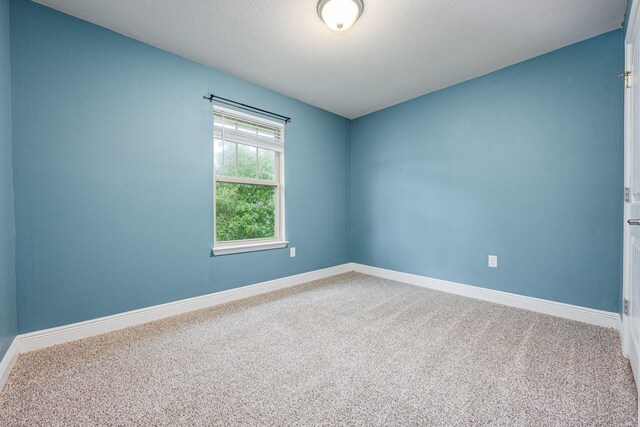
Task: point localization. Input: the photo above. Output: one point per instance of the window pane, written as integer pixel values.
(266, 164)
(224, 158)
(217, 155)
(247, 161)
(245, 211)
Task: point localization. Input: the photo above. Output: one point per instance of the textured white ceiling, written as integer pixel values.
(398, 49)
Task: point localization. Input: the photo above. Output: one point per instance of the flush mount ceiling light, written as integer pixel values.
(340, 14)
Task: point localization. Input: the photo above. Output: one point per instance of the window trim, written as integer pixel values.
(253, 247)
(261, 244)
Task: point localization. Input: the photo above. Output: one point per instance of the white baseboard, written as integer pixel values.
(48, 337)
(7, 362)
(567, 311)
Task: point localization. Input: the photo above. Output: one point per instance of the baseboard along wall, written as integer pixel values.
(573, 312)
(7, 362)
(45, 338)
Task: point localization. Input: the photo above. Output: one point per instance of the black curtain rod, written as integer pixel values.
(211, 97)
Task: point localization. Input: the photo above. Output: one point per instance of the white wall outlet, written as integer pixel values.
(292, 252)
(493, 261)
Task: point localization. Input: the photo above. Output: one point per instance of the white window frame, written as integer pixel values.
(250, 245)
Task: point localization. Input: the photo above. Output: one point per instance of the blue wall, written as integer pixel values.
(113, 175)
(525, 163)
(7, 227)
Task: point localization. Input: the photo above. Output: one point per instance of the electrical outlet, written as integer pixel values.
(292, 252)
(493, 261)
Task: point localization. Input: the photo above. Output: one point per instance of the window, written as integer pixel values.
(248, 182)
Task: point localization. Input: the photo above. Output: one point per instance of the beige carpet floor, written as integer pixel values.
(349, 350)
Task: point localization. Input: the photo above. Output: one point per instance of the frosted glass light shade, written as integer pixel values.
(340, 14)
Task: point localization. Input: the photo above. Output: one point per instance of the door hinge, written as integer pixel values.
(627, 194)
(625, 307)
(627, 78)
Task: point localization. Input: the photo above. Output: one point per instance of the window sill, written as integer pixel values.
(248, 247)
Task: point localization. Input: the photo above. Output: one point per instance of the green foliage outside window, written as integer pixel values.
(244, 211)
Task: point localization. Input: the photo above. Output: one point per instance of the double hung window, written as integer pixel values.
(248, 182)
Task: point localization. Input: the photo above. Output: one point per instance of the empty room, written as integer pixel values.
(319, 212)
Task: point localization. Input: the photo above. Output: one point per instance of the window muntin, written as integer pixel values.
(248, 179)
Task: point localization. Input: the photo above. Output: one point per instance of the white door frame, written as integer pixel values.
(633, 33)
(626, 279)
